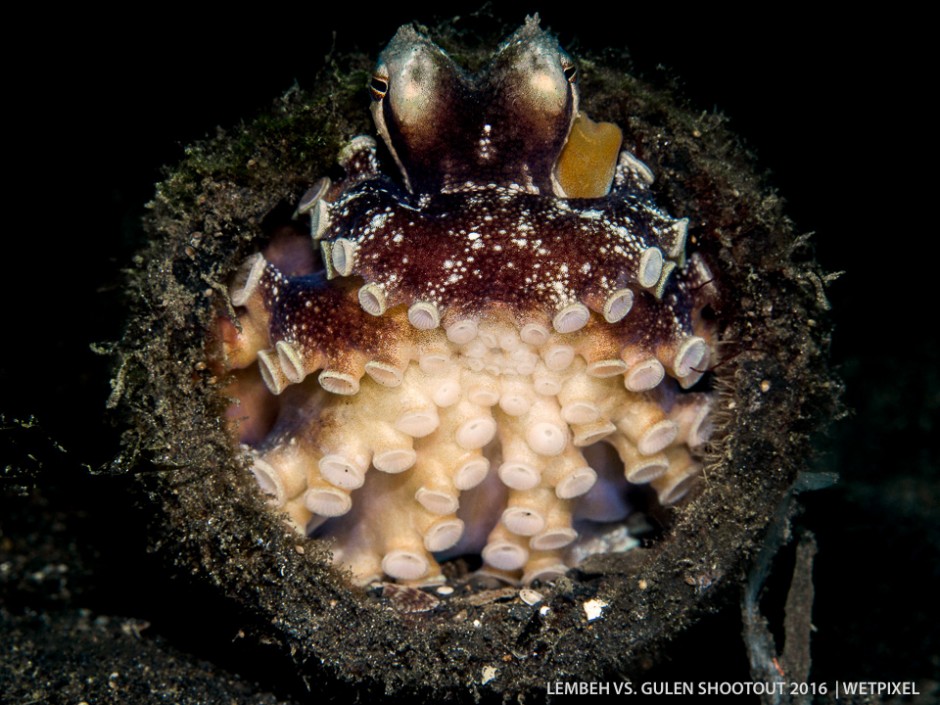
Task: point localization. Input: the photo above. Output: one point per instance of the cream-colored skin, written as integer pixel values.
(398, 464)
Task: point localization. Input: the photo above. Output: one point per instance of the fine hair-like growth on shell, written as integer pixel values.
(333, 380)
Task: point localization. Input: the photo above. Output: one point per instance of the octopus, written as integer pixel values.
(491, 333)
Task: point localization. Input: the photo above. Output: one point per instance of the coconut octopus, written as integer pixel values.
(480, 353)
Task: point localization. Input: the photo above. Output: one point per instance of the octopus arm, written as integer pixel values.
(294, 326)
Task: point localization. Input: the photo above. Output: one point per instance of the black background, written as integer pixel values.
(833, 106)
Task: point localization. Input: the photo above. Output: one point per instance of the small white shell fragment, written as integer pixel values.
(593, 608)
(489, 673)
(530, 596)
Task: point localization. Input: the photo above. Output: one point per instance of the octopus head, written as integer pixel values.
(501, 346)
(449, 129)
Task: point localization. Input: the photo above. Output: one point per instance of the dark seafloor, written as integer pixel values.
(832, 107)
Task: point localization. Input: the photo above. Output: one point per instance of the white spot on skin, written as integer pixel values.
(378, 221)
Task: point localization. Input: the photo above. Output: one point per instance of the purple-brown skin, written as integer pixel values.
(496, 359)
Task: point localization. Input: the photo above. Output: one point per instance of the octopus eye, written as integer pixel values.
(378, 87)
(570, 71)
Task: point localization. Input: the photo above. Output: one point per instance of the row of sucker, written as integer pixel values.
(395, 465)
(437, 391)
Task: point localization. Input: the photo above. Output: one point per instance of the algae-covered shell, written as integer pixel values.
(235, 192)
